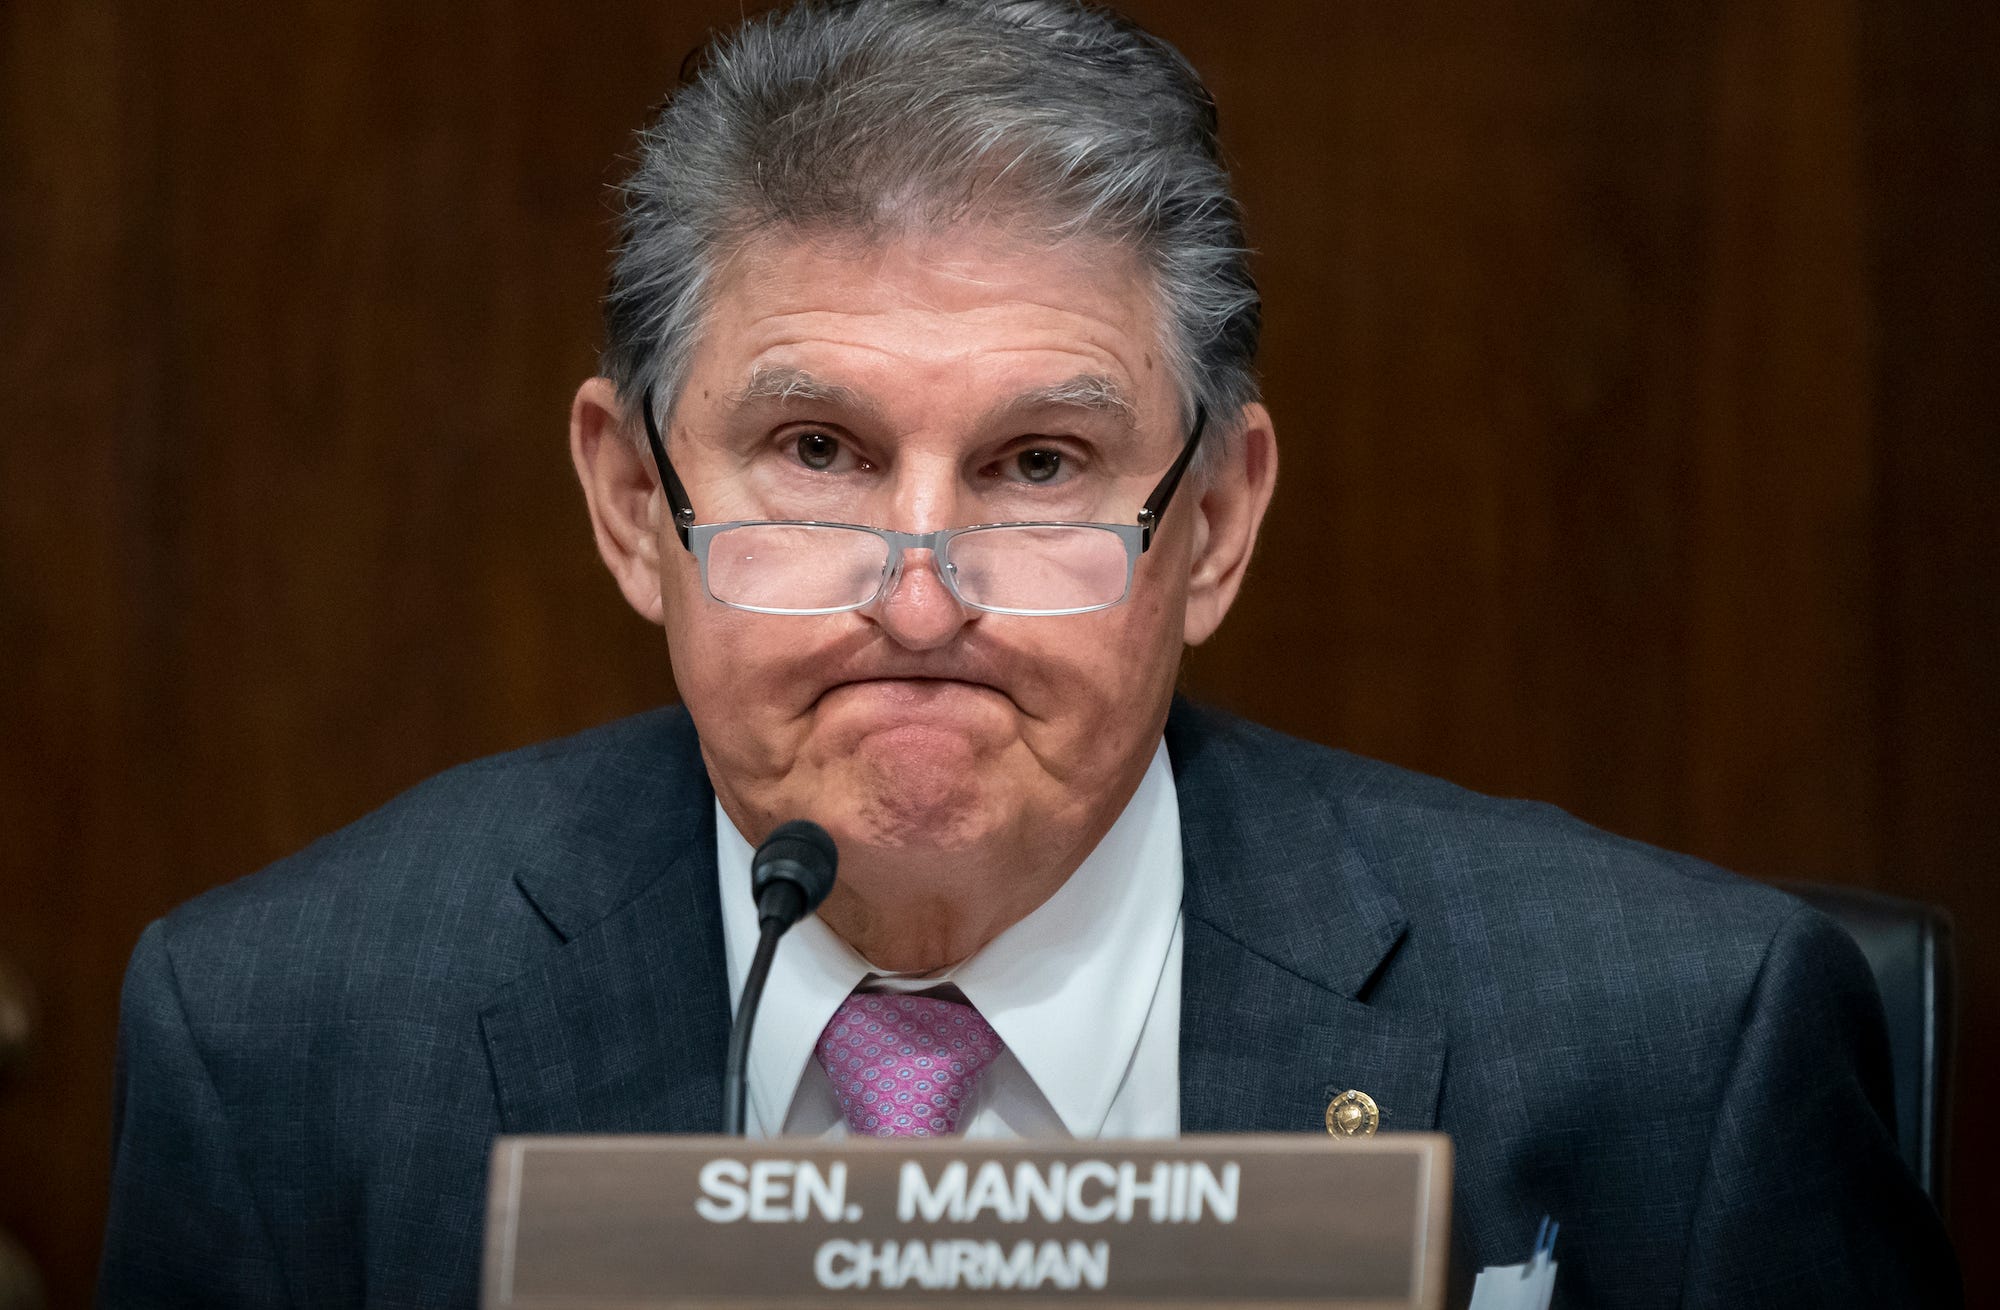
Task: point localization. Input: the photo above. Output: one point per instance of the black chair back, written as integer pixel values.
(1908, 945)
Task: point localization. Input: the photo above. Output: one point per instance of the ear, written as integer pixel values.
(1235, 493)
(626, 507)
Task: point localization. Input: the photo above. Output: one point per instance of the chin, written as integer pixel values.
(934, 804)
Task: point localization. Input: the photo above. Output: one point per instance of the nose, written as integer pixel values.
(917, 610)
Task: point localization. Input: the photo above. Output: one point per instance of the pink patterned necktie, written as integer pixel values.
(904, 1066)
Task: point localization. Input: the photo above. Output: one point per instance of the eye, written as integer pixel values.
(818, 450)
(1039, 465)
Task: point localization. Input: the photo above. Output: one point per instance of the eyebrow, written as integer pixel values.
(795, 384)
(1087, 391)
(1093, 392)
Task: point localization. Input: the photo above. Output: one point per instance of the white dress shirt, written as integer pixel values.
(1085, 992)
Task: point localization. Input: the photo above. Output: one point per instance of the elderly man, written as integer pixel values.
(929, 434)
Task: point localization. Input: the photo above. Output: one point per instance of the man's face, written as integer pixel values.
(964, 761)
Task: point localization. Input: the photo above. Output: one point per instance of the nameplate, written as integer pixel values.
(1265, 1221)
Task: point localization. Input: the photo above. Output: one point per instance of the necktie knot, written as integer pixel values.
(905, 1066)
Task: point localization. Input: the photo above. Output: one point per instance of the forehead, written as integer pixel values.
(957, 315)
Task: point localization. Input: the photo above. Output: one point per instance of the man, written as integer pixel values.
(892, 270)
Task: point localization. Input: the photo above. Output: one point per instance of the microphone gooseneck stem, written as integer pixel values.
(790, 874)
(735, 1083)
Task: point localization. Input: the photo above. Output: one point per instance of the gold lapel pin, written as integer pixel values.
(1353, 1114)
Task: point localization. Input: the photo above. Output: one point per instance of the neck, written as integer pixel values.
(929, 913)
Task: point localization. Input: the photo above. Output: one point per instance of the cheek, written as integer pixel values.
(691, 640)
(725, 665)
(750, 680)
(1149, 641)
(1104, 686)
(1149, 654)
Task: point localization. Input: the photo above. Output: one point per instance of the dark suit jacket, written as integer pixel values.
(1686, 1069)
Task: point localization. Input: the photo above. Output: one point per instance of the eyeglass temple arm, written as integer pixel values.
(1156, 504)
(670, 482)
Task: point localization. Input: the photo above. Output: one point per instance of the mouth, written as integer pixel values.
(914, 698)
(911, 689)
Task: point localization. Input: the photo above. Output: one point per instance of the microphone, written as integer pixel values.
(792, 872)
(790, 875)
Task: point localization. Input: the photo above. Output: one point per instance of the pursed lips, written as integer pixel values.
(911, 689)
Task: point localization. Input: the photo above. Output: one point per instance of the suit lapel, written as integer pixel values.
(621, 1027)
(1288, 938)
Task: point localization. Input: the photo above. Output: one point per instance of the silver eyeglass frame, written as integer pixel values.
(700, 537)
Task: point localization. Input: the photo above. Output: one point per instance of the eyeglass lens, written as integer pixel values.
(1030, 568)
(1039, 567)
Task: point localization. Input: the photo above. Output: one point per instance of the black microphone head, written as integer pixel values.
(798, 855)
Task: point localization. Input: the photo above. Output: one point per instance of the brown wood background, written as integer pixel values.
(1633, 365)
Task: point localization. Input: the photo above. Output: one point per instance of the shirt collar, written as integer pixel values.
(1068, 988)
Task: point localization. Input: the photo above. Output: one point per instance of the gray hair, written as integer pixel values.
(874, 118)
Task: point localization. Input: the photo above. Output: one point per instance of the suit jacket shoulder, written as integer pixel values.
(1650, 1049)
(382, 905)
(1504, 908)
(315, 1059)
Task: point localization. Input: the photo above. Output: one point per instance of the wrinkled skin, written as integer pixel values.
(965, 762)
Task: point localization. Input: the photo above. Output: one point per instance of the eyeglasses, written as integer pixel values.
(800, 566)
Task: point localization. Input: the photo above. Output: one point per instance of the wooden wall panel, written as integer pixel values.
(1629, 362)
(63, 762)
(1933, 201)
(1781, 768)
(1568, 334)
